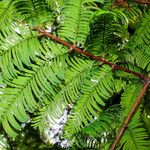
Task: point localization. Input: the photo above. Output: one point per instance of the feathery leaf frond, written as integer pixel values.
(34, 12)
(142, 58)
(96, 89)
(106, 32)
(35, 84)
(135, 137)
(75, 24)
(142, 34)
(129, 96)
(99, 134)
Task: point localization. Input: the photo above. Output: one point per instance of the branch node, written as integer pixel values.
(41, 32)
(114, 67)
(71, 49)
(125, 126)
(103, 58)
(147, 79)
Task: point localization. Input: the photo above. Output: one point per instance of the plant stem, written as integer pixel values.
(114, 66)
(127, 121)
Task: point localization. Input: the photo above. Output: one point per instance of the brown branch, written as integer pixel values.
(127, 121)
(147, 2)
(114, 66)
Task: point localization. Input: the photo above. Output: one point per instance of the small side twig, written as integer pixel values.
(122, 3)
(147, 2)
(127, 121)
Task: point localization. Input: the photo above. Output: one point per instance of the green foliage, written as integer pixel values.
(40, 78)
(142, 34)
(29, 138)
(74, 25)
(135, 137)
(142, 58)
(101, 132)
(96, 91)
(106, 32)
(129, 96)
(34, 12)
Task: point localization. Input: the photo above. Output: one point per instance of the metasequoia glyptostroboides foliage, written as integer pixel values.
(115, 67)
